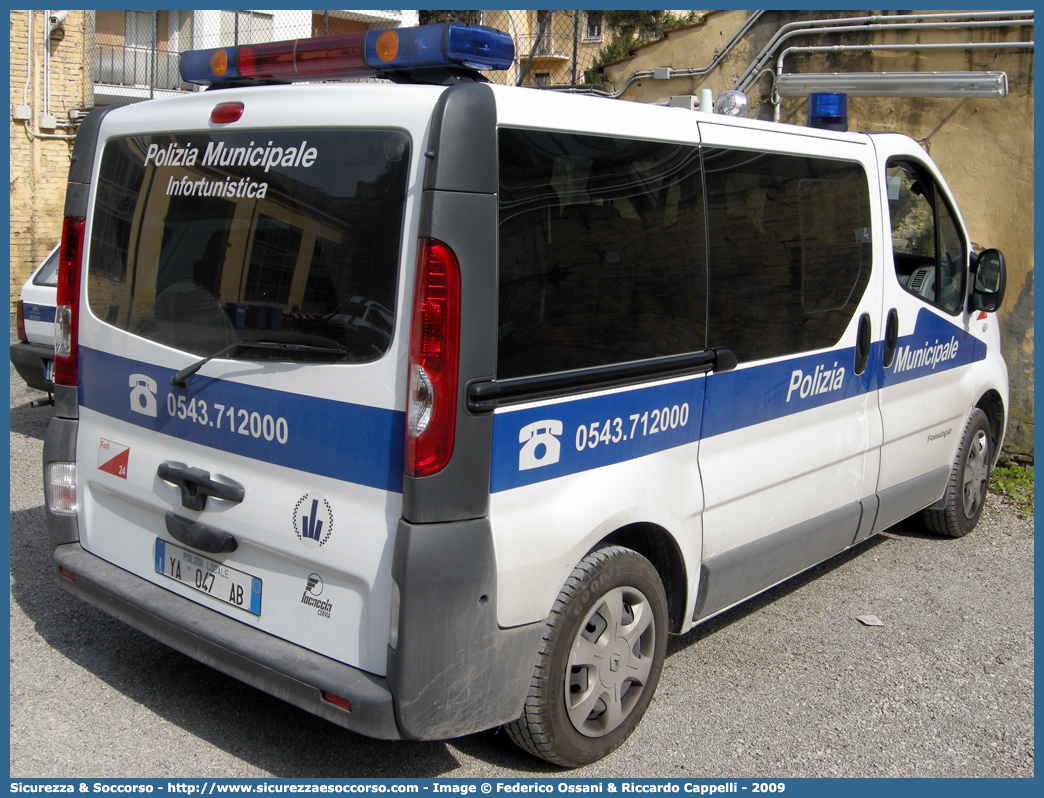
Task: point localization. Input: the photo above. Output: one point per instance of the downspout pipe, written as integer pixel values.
(817, 26)
(45, 100)
(46, 77)
(29, 57)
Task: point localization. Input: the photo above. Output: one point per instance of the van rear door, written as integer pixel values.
(241, 424)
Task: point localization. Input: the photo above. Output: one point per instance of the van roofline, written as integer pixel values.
(551, 97)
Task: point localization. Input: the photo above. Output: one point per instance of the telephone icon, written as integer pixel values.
(541, 447)
(143, 394)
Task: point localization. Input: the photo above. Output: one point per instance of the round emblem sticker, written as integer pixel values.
(313, 520)
(314, 585)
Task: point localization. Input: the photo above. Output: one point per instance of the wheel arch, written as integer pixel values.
(992, 405)
(659, 547)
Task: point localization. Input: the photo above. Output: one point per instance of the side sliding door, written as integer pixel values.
(791, 437)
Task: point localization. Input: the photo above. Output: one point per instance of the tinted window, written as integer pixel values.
(789, 242)
(202, 240)
(602, 252)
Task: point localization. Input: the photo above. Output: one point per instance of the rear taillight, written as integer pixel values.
(65, 332)
(20, 316)
(60, 488)
(434, 351)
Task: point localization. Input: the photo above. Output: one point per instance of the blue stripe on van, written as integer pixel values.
(936, 345)
(349, 442)
(742, 398)
(566, 444)
(553, 440)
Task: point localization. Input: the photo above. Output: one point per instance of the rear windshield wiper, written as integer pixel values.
(178, 380)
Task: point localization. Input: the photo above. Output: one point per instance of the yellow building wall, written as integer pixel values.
(40, 166)
(555, 56)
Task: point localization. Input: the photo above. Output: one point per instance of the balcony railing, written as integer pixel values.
(552, 45)
(122, 65)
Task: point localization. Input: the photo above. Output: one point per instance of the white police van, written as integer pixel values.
(435, 406)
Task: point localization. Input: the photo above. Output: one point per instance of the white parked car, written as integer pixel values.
(33, 353)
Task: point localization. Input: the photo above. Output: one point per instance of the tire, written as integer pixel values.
(599, 662)
(969, 481)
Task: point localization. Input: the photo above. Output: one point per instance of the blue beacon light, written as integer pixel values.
(828, 111)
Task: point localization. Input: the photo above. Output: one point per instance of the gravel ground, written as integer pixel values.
(790, 684)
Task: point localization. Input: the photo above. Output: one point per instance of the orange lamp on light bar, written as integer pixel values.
(452, 45)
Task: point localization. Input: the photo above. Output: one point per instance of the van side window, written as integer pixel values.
(927, 248)
(602, 252)
(790, 250)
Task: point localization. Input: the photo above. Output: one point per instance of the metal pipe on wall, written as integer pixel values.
(842, 48)
(682, 73)
(817, 26)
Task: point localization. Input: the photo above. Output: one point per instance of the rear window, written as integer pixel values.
(276, 244)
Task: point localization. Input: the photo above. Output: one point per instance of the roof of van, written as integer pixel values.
(324, 104)
(528, 107)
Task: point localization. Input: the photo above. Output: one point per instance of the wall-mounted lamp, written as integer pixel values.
(895, 84)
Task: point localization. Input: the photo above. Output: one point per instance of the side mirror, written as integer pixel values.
(991, 277)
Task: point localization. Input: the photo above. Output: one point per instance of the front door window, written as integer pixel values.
(927, 248)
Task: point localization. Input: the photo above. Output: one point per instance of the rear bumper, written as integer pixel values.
(455, 671)
(30, 361)
(282, 669)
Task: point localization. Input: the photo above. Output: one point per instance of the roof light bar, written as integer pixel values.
(895, 84)
(353, 55)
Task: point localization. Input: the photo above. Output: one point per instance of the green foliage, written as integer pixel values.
(1015, 484)
(436, 17)
(629, 30)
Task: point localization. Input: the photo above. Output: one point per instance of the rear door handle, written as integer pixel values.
(891, 337)
(196, 484)
(199, 536)
(863, 338)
